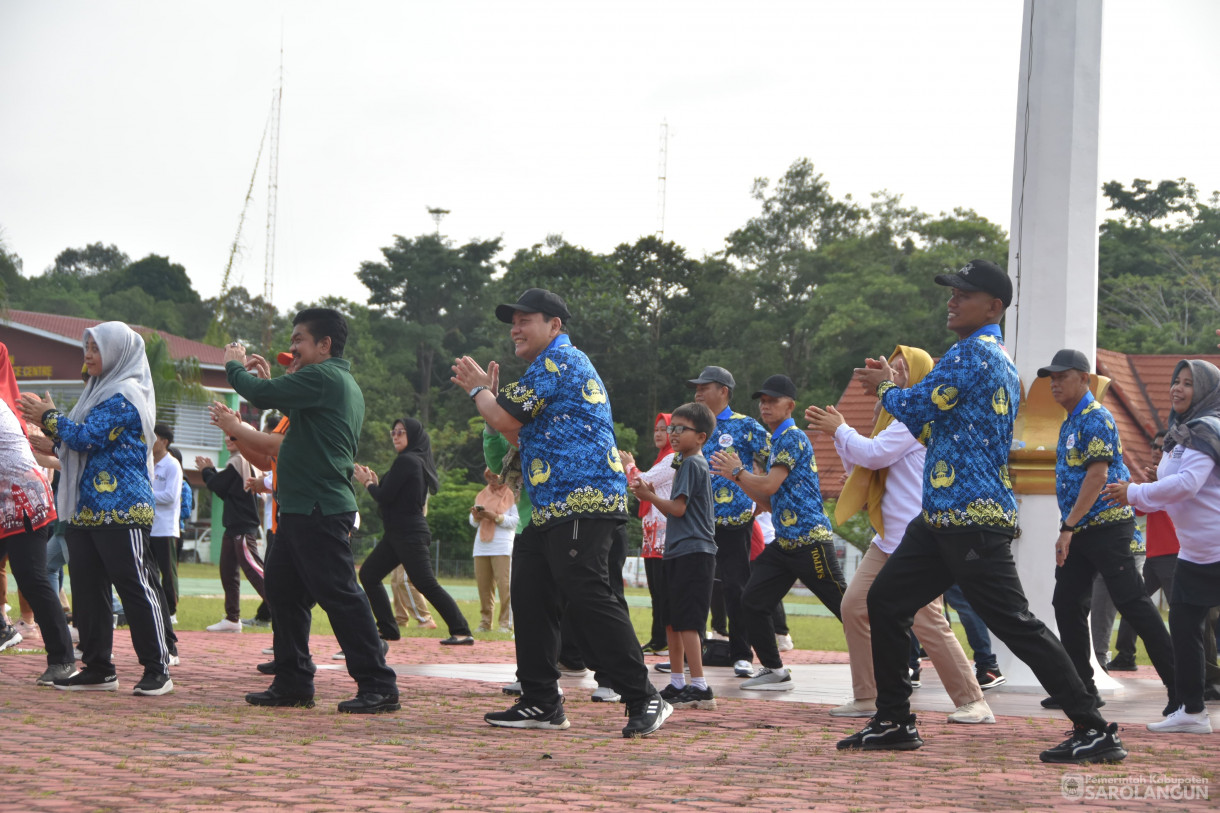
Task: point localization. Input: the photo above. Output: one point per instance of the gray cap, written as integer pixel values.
(1066, 360)
(713, 375)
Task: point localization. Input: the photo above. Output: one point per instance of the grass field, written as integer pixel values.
(808, 632)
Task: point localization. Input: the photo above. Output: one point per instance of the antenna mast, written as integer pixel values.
(273, 186)
(438, 214)
(662, 168)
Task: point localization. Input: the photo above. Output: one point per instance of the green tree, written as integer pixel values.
(90, 261)
(436, 289)
(174, 380)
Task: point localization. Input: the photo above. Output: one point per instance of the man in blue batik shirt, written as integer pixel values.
(558, 415)
(1095, 537)
(803, 548)
(968, 522)
(744, 436)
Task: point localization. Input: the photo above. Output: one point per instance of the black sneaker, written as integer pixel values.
(1088, 745)
(267, 668)
(883, 735)
(370, 703)
(646, 715)
(989, 678)
(524, 714)
(662, 667)
(153, 684)
(1121, 664)
(273, 698)
(670, 692)
(9, 637)
(87, 680)
(56, 671)
(915, 681)
(694, 698)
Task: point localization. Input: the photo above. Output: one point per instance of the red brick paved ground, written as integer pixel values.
(203, 748)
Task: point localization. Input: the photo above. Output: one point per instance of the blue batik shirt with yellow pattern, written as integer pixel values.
(569, 457)
(115, 487)
(747, 437)
(970, 401)
(796, 508)
(1089, 436)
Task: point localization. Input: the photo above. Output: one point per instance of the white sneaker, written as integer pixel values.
(715, 636)
(971, 713)
(784, 643)
(855, 708)
(174, 660)
(743, 669)
(173, 620)
(268, 650)
(26, 629)
(1182, 722)
(338, 656)
(605, 694)
(225, 625)
(771, 680)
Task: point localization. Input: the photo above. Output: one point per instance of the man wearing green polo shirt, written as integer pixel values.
(311, 562)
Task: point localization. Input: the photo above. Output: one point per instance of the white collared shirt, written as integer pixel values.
(897, 449)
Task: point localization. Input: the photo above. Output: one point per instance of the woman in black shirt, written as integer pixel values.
(402, 496)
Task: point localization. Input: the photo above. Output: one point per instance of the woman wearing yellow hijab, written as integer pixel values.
(887, 481)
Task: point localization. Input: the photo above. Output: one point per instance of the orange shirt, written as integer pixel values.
(280, 428)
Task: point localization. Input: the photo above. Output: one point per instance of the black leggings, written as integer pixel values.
(27, 553)
(408, 547)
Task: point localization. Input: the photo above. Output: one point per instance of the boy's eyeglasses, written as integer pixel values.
(679, 429)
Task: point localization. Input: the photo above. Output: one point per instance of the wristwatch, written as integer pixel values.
(737, 472)
(476, 390)
(1065, 528)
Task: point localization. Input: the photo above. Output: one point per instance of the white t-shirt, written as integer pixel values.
(268, 503)
(897, 449)
(1187, 488)
(501, 543)
(167, 496)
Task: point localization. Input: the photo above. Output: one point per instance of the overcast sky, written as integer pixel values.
(138, 123)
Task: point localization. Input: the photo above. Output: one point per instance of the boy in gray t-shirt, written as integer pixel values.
(689, 562)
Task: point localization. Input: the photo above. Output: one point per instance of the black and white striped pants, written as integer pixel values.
(119, 556)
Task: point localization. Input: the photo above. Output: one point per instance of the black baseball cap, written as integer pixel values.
(980, 275)
(1066, 360)
(535, 300)
(713, 375)
(777, 386)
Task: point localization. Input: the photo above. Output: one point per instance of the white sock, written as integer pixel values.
(677, 680)
(699, 682)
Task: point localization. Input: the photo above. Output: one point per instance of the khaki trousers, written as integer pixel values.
(492, 573)
(408, 602)
(931, 627)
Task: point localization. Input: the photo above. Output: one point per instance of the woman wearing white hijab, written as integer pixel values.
(106, 497)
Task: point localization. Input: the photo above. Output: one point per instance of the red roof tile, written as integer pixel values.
(73, 328)
(856, 406)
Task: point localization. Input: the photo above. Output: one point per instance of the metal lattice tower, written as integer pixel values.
(273, 186)
(662, 170)
(438, 214)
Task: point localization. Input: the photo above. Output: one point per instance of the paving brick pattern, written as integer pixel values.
(202, 748)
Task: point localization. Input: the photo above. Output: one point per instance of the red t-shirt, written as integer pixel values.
(1160, 535)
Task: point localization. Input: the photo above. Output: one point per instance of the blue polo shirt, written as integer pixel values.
(1089, 436)
(796, 508)
(569, 457)
(747, 437)
(970, 399)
